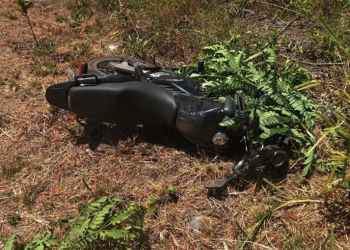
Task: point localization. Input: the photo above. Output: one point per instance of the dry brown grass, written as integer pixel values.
(135, 164)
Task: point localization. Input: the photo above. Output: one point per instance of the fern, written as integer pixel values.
(282, 110)
(100, 222)
(42, 241)
(10, 242)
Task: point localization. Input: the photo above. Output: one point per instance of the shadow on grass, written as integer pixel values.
(96, 134)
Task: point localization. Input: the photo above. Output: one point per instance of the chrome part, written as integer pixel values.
(220, 139)
(158, 74)
(240, 101)
(278, 158)
(258, 161)
(240, 164)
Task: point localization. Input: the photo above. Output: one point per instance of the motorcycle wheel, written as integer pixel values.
(99, 66)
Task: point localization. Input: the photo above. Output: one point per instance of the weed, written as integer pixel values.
(81, 51)
(101, 190)
(151, 205)
(13, 219)
(44, 68)
(36, 83)
(24, 6)
(72, 131)
(30, 194)
(12, 169)
(140, 47)
(99, 23)
(5, 195)
(77, 17)
(13, 15)
(298, 244)
(45, 49)
(61, 19)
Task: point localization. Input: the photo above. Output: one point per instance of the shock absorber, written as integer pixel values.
(242, 115)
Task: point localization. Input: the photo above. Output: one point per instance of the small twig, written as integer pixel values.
(87, 186)
(285, 27)
(31, 28)
(241, 10)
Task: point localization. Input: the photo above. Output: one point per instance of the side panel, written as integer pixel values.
(198, 121)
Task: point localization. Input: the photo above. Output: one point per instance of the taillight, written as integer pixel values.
(80, 71)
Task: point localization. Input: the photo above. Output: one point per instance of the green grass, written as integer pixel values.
(45, 49)
(44, 67)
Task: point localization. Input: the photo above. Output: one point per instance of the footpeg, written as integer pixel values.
(215, 184)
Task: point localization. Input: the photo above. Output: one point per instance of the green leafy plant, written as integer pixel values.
(282, 109)
(340, 155)
(10, 242)
(101, 222)
(151, 205)
(25, 5)
(171, 188)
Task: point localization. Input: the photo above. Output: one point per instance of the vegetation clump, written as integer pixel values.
(101, 223)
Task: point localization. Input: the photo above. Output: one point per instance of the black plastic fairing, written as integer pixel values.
(56, 95)
(198, 121)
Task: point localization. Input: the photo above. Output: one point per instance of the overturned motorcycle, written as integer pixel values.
(126, 91)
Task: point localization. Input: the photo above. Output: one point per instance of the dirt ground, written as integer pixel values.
(48, 163)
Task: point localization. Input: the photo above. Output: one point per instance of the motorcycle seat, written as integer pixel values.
(131, 102)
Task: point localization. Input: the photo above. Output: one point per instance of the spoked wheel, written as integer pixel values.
(116, 65)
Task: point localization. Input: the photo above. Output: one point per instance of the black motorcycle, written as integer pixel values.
(126, 91)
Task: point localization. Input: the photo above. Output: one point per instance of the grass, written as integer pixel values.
(42, 68)
(2, 119)
(283, 215)
(29, 196)
(45, 49)
(10, 170)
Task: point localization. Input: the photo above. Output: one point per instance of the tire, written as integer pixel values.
(94, 66)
